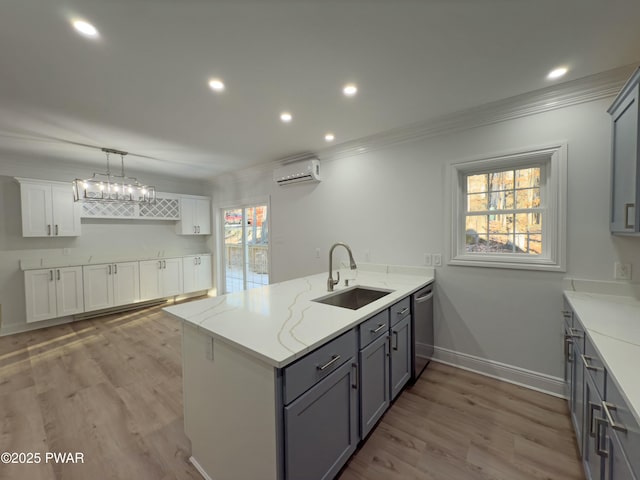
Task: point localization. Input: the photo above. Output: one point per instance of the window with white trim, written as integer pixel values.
(509, 211)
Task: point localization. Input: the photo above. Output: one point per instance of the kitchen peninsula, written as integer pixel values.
(254, 360)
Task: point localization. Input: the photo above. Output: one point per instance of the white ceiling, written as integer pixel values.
(142, 86)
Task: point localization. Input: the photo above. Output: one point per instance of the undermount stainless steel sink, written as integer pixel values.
(354, 297)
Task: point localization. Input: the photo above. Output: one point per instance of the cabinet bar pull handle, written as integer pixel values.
(57, 230)
(586, 359)
(355, 384)
(395, 334)
(592, 407)
(567, 344)
(600, 451)
(51, 275)
(115, 269)
(159, 264)
(566, 313)
(164, 264)
(109, 269)
(195, 260)
(334, 359)
(403, 311)
(616, 426)
(575, 332)
(58, 273)
(380, 327)
(627, 206)
(48, 229)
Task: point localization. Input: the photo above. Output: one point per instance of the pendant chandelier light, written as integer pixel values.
(110, 187)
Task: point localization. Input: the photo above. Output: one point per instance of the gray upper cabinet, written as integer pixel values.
(625, 194)
(321, 426)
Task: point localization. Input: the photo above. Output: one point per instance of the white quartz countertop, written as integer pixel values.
(280, 323)
(613, 324)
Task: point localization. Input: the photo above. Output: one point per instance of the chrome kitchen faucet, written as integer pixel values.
(330, 281)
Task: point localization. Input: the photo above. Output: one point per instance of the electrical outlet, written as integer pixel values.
(209, 348)
(622, 271)
(367, 256)
(317, 253)
(427, 259)
(436, 259)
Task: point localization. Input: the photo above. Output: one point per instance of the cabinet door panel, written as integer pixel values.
(171, 279)
(321, 427)
(593, 410)
(36, 210)
(150, 279)
(187, 223)
(189, 270)
(625, 154)
(40, 294)
(126, 283)
(69, 291)
(203, 216)
(616, 466)
(577, 396)
(400, 356)
(98, 287)
(374, 383)
(204, 280)
(66, 212)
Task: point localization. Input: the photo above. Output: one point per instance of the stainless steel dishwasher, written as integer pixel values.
(422, 329)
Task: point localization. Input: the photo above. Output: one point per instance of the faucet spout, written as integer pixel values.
(352, 265)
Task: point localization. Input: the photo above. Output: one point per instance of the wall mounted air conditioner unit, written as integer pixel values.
(298, 172)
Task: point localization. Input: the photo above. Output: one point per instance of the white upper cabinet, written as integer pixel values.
(53, 292)
(625, 195)
(195, 216)
(48, 209)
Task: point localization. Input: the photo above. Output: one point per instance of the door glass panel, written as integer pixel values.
(246, 248)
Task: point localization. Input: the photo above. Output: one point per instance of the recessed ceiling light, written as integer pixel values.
(85, 28)
(557, 73)
(329, 137)
(216, 85)
(350, 89)
(286, 117)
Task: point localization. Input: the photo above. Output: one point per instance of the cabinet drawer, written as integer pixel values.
(594, 367)
(306, 372)
(627, 429)
(373, 328)
(400, 310)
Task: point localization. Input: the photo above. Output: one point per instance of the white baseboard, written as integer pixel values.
(199, 468)
(12, 329)
(501, 371)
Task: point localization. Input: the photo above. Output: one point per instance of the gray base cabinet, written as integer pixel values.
(400, 355)
(607, 433)
(321, 427)
(374, 383)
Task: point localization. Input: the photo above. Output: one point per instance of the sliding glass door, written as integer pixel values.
(246, 247)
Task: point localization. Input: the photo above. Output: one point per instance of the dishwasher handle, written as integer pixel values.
(424, 298)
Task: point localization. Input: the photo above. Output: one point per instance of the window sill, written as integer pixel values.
(543, 264)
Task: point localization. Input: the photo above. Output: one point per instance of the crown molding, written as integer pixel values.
(587, 89)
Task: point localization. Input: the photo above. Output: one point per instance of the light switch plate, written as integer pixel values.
(436, 260)
(427, 259)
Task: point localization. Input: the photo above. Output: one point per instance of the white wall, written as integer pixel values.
(100, 238)
(394, 203)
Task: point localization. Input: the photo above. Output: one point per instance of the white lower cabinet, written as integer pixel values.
(161, 278)
(53, 292)
(197, 273)
(110, 285)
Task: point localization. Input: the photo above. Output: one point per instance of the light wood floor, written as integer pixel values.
(111, 388)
